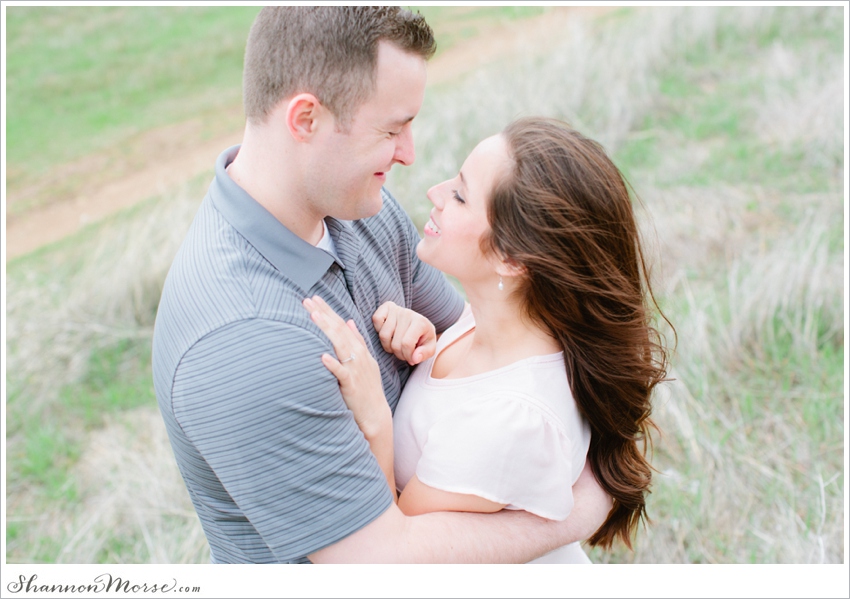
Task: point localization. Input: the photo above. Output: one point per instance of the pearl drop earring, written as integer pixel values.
(501, 285)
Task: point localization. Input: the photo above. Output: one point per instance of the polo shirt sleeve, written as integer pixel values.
(268, 418)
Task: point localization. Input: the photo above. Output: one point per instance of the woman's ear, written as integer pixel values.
(508, 267)
(302, 116)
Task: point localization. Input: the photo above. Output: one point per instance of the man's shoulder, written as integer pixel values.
(185, 338)
(215, 259)
(211, 243)
(245, 347)
(218, 280)
(208, 268)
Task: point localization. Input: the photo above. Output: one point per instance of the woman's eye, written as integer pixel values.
(457, 197)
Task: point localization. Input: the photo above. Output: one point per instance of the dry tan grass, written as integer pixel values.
(112, 296)
(733, 476)
(134, 506)
(803, 102)
(131, 490)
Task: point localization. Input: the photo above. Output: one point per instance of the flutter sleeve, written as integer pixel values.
(505, 449)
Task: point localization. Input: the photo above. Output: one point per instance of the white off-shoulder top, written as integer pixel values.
(511, 435)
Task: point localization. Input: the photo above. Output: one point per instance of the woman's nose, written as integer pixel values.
(437, 195)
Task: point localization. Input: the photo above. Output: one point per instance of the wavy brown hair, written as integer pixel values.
(565, 216)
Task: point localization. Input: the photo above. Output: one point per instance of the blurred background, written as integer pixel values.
(727, 121)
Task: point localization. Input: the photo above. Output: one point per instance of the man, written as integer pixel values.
(275, 465)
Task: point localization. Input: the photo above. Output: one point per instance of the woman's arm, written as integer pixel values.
(404, 333)
(359, 379)
(362, 391)
(418, 498)
(380, 439)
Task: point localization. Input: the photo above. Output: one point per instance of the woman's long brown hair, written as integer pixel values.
(564, 214)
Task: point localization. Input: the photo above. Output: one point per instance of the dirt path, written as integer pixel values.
(165, 158)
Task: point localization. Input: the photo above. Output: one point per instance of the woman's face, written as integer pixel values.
(459, 217)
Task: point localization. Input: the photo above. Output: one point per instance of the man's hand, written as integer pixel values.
(407, 335)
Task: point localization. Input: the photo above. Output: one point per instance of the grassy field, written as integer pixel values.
(85, 85)
(728, 123)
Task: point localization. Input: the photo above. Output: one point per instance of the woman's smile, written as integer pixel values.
(431, 228)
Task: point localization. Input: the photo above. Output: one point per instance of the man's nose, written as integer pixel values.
(404, 152)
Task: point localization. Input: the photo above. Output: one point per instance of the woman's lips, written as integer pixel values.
(431, 228)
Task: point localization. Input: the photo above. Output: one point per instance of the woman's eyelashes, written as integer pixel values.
(457, 196)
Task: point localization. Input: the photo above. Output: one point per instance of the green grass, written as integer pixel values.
(86, 79)
(711, 94)
(776, 401)
(81, 79)
(49, 451)
(118, 378)
(452, 25)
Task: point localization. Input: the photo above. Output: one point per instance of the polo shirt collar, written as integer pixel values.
(293, 257)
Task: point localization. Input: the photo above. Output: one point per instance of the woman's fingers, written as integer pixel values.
(402, 325)
(387, 330)
(338, 370)
(344, 341)
(380, 315)
(353, 327)
(421, 342)
(404, 333)
(322, 306)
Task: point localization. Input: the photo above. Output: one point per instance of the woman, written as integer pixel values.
(554, 360)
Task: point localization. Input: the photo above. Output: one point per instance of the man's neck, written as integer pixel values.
(260, 170)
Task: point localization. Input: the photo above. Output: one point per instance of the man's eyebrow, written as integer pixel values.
(401, 122)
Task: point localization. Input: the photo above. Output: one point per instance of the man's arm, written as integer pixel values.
(269, 420)
(280, 451)
(452, 537)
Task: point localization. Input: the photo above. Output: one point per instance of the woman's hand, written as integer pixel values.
(359, 379)
(354, 367)
(406, 334)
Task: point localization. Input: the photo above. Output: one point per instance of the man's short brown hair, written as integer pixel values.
(329, 51)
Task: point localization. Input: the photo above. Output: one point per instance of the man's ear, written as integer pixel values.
(302, 116)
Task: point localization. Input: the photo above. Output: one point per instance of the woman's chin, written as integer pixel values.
(422, 251)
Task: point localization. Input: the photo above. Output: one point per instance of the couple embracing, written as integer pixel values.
(330, 397)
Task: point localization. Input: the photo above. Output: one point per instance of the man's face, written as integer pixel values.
(352, 166)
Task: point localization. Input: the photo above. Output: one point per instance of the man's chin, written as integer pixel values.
(366, 207)
(372, 206)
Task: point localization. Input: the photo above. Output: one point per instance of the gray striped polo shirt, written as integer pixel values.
(273, 460)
